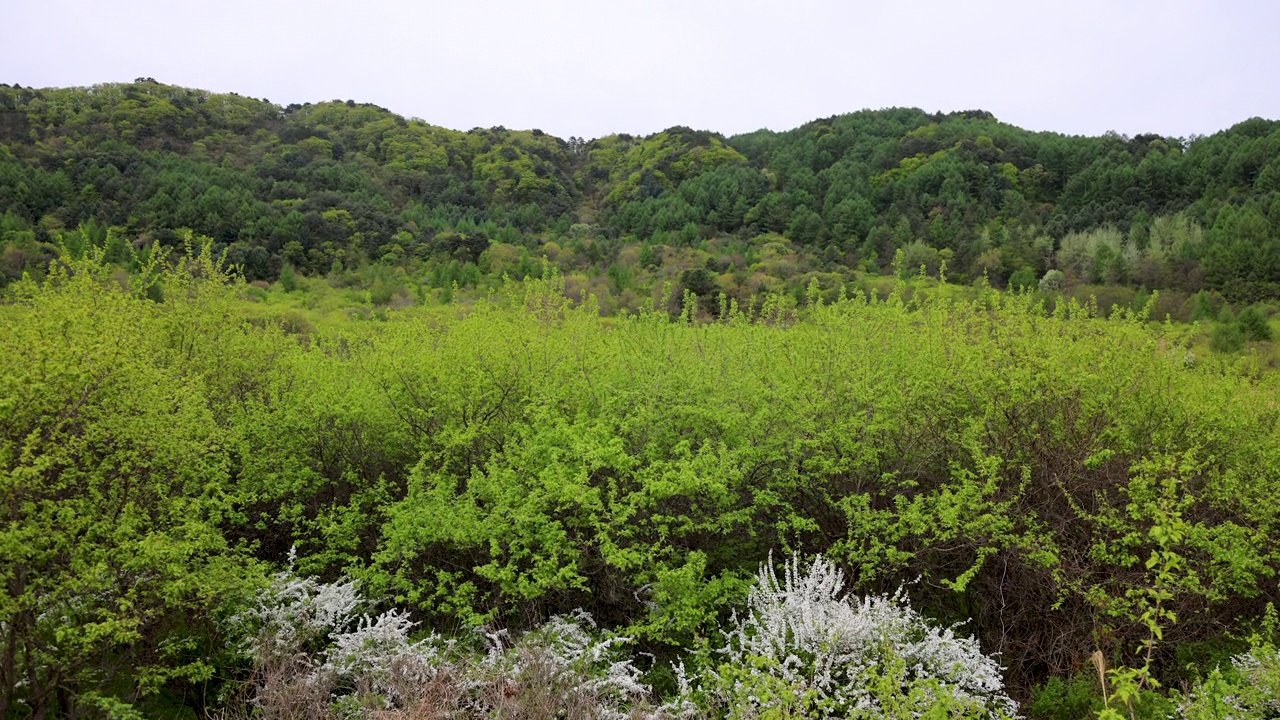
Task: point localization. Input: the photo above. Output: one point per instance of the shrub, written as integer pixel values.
(315, 656)
(1052, 281)
(1226, 338)
(1024, 279)
(1069, 699)
(289, 278)
(1202, 306)
(312, 650)
(1253, 324)
(1249, 689)
(802, 649)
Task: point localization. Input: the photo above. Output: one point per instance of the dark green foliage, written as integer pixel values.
(310, 185)
(1024, 279)
(698, 282)
(1227, 337)
(1074, 698)
(1202, 307)
(1253, 324)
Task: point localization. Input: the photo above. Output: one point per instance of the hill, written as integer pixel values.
(336, 186)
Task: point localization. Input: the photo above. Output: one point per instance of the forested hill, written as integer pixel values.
(336, 186)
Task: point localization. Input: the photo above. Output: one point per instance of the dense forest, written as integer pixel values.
(336, 187)
(319, 412)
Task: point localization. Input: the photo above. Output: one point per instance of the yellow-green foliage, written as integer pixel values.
(668, 157)
(115, 488)
(521, 169)
(560, 456)
(520, 456)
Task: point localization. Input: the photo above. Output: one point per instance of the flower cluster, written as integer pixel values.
(315, 655)
(803, 647)
(800, 649)
(562, 668)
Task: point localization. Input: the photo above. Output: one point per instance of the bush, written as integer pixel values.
(1059, 699)
(1024, 279)
(316, 656)
(1202, 304)
(1051, 282)
(1226, 338)
(1249, 689)
(804, 650)
(1253, 324)
(289, 278)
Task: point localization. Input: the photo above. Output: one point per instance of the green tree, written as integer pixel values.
(288, 279)
(1201, 307)
(1253, 324)
(1024, 279)
(1227, 335)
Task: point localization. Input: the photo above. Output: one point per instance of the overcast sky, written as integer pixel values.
(575, 67)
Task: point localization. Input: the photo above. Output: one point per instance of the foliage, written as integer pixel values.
(304, 188)
(1253, 325)
(1066, 699)
(1249, 688)
(114, 488)
(1227, 335)
(167, 436)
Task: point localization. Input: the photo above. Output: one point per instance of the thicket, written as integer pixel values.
(1064, 484)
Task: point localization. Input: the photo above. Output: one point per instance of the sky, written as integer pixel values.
(592, 68)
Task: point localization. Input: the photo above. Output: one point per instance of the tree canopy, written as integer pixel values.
(314, 184)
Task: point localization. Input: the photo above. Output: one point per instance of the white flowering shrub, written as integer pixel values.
(313, 651)
(316, 656)
(562, 669)
(295, 612)
(802, 649)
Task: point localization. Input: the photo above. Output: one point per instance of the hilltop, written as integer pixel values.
(340, 186)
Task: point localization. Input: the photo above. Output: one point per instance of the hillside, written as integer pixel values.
(337, 186)
(362, 475)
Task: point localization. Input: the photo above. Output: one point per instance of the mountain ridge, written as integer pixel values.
(320, 185)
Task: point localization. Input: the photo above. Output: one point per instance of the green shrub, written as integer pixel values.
(1249, 689)
(289, 278)
(1024, 279)
(1226, 338)
(1073, 698)
(1253, 324)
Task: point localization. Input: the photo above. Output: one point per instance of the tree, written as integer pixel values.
(1051, 282)
(461, 246)
(1253, 324)
(805, 226)
(1227, 335)
(698, 281)
(1201, 307)
(288, 278)
(1024, 279)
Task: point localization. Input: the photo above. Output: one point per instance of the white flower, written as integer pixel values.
(830, 648)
